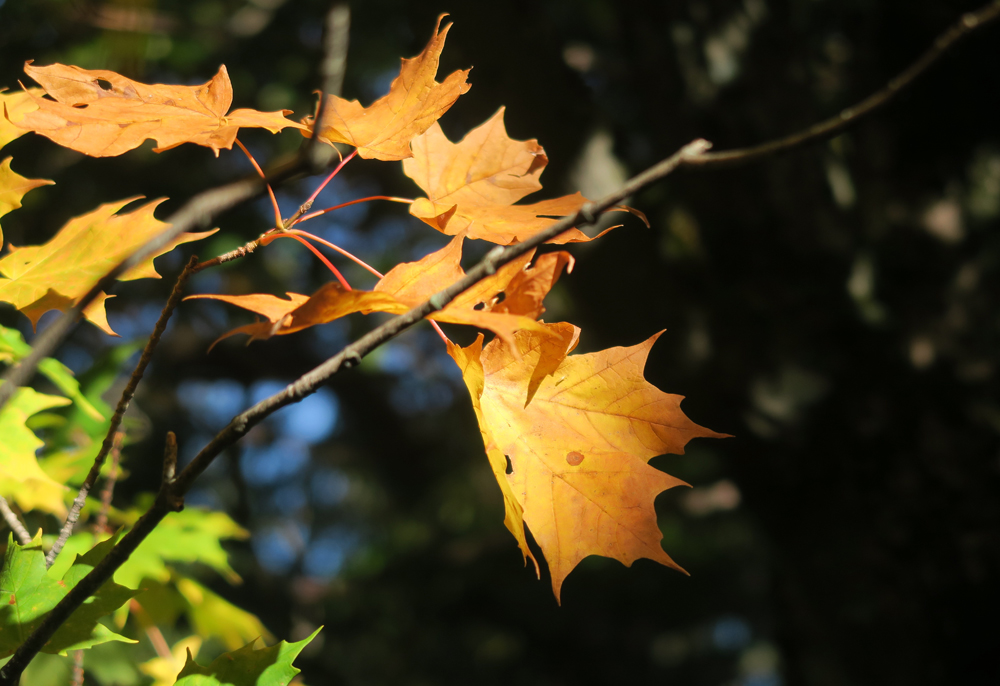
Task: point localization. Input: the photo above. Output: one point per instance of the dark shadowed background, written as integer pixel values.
(836, 309)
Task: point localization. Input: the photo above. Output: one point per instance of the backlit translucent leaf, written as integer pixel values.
(579, 450)
(101, 113)
(415, 100)
(13, 187)
(55, 275)
(22, 480)
(29, 593)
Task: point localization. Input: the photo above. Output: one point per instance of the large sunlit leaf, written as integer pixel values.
(579, 449)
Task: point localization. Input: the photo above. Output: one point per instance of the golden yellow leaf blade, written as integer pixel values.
(486, 167)
(102, 114)
(415, 101)
(13, 187)
(13, 107)
(469, 363)
(579, 449)
(36, 279)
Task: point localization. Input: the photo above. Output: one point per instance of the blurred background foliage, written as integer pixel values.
(835, 309)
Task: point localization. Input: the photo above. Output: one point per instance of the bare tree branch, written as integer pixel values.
(14, 522)
(116, 419)
(968, 24)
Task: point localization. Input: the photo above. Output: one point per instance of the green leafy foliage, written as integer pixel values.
(30, 593)
(22, 480)
(247, 666)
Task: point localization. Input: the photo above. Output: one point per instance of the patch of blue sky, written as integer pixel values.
(289, 499)
(375, 88)
(278, 462)
(311, 420)
(329, 487)
(75, 357)
(211, 404)
(191, 445)
(328, 551)
(329, 338)
(136, 322)
(204, 497)
(276, 548)
(766, 679)
(207, 281)
(398, 358)
(730, 633)
(412, 396)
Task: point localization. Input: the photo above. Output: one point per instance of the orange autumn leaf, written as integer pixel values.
(13, 187)
(579, 450)
(13, 107)
(54, 276)
(415, 100)
(471, 185)
(408, 285)
(102, 114)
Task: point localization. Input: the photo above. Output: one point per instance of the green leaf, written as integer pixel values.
(28, 593)
(211, 615)
(13, 349)
(247, 666)
(191, 535)
(22, 480)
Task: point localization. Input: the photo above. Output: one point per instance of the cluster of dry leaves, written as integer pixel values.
(568, 437)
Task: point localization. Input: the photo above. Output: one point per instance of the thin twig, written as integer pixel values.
(152, 631)
(140, 368)
(77, 668)
(239, 252)
(852, 115)
(331, 71)
(14, 522)
(107, 493)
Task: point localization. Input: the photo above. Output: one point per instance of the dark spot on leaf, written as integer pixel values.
(500, 297)
(105, 84)
(510, 467)
(81, 105)
(479, 306)
(12, 600)
(574, 458)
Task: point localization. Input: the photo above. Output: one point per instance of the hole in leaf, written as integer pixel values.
(500, 297)
(479, 306)
(510, 467)
(105, 84)
(574, 458)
